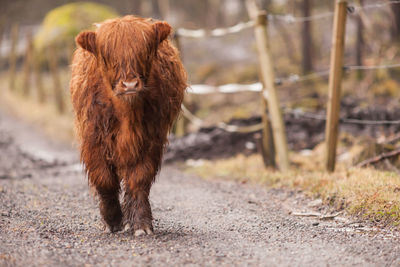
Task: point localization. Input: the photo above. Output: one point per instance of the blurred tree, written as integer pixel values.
(266, 5)
(164, 7)
(359, 42)
(2, 20)
(307, 44)
(132, 6)
(396, 22)
(213, 12)
(242, 9)
(155, 9)
(222, 14)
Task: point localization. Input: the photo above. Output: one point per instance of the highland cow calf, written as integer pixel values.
(127, 87)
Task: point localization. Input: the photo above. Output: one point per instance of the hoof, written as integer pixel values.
(145, 231)
(114, 228)
(140, 232)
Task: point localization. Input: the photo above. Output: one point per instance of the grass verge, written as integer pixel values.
(43, 116)
(363, 192)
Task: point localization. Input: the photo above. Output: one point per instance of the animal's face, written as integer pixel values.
(125, 49)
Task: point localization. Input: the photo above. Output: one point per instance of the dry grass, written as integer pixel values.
(367, 193)
(44, 116)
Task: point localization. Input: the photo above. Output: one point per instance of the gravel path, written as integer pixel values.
(49, 218)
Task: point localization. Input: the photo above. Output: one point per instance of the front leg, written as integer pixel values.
(103, 177)
(137, 211)
(110, 209)
(136, 206)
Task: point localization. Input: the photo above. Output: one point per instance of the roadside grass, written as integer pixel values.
(363, 192)
(41, 115)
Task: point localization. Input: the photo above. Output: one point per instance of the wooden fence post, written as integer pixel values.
(335, 80)
(27, 64)
(269, 91)
(58, 91)
(267, 142)
(13, 56)
(38, 77)
(1, 35)
(360, 43)
(181, 122)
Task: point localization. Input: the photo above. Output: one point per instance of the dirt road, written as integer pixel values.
(49, 218)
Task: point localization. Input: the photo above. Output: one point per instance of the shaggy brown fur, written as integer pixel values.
(127, 87)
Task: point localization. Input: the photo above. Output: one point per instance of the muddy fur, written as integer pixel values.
(127, 87)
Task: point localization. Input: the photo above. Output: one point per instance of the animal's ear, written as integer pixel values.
(87, 40)
(162, 30)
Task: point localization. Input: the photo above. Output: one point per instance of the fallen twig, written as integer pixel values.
(379, 158)
(306, 214)
(315, 214)
(329, 216)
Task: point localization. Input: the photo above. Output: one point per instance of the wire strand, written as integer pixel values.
(293, 78)
(390, 66)
(218, 32)
(308, 115)
(289, 18)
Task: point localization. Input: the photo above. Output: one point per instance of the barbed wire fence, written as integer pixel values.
(291, 79)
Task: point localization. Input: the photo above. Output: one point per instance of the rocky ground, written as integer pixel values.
(48, 217)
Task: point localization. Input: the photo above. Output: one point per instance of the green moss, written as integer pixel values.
(62, 24)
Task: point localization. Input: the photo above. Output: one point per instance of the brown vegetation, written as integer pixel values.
(127, 87)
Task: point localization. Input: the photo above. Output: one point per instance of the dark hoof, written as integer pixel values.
(112, 216)
(114, 228)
